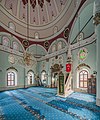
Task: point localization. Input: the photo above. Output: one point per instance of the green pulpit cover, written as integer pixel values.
(61, 84)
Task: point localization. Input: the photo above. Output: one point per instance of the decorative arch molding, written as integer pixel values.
(11, 68)
(58, 40)
(30, 71)
(79, 12)
(9, 35)
(83, 65)
(34, 45)
(43, 71)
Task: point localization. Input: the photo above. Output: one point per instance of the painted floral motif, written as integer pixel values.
(82, 54)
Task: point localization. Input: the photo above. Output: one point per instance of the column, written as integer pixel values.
(97, 32)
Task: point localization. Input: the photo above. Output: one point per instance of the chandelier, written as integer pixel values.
(27, 60)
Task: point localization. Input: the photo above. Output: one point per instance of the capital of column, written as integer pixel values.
(96, 18)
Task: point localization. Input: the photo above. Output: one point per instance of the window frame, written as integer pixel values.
(12, 74)
(83, 81)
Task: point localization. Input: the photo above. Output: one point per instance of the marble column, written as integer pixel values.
(97, 32)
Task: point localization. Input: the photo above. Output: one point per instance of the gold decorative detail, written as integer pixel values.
(97, 19)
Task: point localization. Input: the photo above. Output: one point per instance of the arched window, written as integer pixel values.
(5, 41)
(43, 76)
(83, 77)
(11, 77)
(12, 26)
(59, 45)
(53, 48)
(15, 45)
(30, 77)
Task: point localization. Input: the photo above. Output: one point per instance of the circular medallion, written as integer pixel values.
(25, 43)
(46, 44)
(82, 54)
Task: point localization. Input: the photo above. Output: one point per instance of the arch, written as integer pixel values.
(5, 41)
(30, 77)
(37, 46)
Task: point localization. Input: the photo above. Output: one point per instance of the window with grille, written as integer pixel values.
(83, 77)
(10, 79)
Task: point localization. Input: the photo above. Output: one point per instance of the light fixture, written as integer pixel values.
(28, 60)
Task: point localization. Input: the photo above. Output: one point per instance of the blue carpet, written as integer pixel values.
(37, 103)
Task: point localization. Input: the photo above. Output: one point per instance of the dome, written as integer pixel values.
(47, 18)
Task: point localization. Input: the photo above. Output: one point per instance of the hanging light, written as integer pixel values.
(28, 60)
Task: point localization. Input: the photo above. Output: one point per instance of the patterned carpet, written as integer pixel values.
(37, 103)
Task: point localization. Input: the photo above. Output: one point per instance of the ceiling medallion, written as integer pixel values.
(46, 44)
(66, 32)
(25, 43)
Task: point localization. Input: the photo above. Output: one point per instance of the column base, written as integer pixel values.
(98, 101)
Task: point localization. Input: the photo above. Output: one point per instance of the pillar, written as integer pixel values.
(97, 32)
